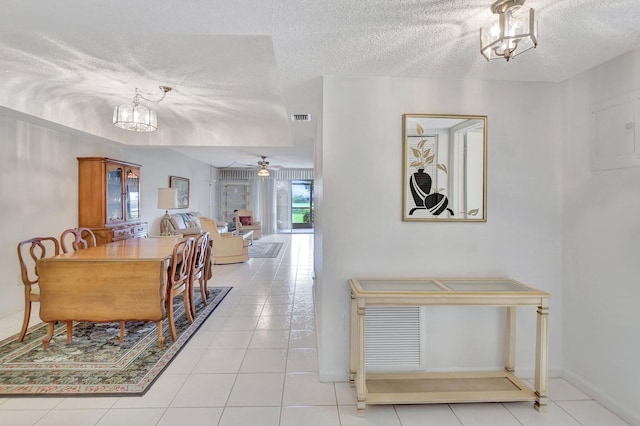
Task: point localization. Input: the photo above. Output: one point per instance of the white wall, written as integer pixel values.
(359, 208)
(39, 188)
(601, 247)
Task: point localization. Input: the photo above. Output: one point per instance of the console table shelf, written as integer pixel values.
(449, 387)
(477, 386)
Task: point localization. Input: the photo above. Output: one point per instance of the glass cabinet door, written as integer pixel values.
(132, 188)
(114, 193)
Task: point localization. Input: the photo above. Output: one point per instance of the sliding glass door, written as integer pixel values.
(302, 204)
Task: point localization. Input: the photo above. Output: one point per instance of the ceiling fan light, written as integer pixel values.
(263, 172)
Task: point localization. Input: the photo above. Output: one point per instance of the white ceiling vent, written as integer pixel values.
(300, 117)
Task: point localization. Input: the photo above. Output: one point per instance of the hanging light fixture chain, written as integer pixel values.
(164, 89)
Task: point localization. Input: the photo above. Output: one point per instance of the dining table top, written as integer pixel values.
(132, 248)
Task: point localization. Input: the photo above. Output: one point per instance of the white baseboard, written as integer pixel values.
(529, 373)
(627, 413)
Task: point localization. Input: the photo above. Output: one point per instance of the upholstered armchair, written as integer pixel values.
(246, 222)
(227, 248)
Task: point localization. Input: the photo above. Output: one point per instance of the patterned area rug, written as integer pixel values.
(262, 249)
(94, 363)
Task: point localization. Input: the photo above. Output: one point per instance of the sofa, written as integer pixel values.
(187, 224)
(227, 248)
(182, 223)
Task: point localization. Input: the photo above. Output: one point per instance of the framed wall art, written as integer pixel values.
(182, 185)
(444, 167)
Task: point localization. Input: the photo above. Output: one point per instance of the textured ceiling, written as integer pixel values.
(239, 67)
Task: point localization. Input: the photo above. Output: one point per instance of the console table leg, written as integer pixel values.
(353, 342)
(542, 363)
(510, 340)
(362, 359)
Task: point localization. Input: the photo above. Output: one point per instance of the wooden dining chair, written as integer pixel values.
(29, 252)
(75, 239)
(201, 256)
(179, 276)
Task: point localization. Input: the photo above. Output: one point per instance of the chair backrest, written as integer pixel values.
(75, 239)
(242, 213)
(200, 254)
(30, 251)
(181, 261)
(209, 225)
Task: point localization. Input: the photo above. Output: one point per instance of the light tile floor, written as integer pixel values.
(254, 362)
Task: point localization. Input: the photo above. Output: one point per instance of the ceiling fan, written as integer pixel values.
(263, 166)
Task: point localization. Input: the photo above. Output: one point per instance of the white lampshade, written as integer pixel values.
(167, 198)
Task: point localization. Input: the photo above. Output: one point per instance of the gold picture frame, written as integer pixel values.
(444, 168)
(182, 186)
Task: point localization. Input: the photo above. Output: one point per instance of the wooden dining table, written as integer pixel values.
(120, 281)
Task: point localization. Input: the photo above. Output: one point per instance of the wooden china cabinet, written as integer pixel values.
(109, 199)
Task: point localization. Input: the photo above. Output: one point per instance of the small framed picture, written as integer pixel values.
(182, 185)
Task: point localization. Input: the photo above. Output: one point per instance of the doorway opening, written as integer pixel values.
(301, 204)
(295, 206)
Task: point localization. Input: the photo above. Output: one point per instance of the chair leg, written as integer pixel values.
(204, 291)
(187, 296)
(172, 326)
(25, 322)
(49, 336)
(192, 303)
(69, 331)
(160, 334)
(121, 333)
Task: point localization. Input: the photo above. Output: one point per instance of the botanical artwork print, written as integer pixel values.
(420, 182)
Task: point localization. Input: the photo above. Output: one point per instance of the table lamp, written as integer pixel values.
(167, 199)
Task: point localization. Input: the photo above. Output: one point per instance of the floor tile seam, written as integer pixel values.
(566, 412)
(455, 415)
(395, 410)
(504, 405)
(312, 405)
(45, 411)
(585, 400)
(250, 406)
(175, 395)
(203, 350)
(97, 422)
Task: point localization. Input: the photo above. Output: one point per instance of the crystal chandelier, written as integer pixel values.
(509, 34)
(136, 117)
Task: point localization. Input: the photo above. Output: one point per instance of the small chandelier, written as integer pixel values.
(136, 117)
(513, 33)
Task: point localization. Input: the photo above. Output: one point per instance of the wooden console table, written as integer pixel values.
(425, 387)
